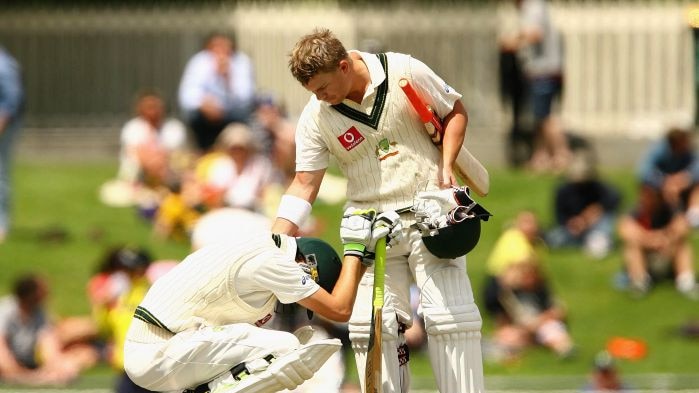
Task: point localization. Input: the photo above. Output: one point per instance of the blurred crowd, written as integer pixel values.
(227, 153)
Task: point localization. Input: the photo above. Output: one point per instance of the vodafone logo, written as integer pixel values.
(351, 138)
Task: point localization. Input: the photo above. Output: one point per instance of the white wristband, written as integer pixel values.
(294, 209)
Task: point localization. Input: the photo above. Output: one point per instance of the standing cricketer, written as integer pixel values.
(359, 115)
(199, 327)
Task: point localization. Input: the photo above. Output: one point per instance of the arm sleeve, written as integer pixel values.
(285, 279)
(190, 91)
(311, 151)
(648, 171)
(437, 93)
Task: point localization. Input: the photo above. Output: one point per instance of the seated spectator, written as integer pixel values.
(34, 350)
(672, 166)
(236, 175)
(656, 244)
(217, 88)
(180, 209)
(518, 296)
(153, 147)
(276, 134)
(605, 376)
(585, 209)
(154, 153)
(518, 243)
(125, 275)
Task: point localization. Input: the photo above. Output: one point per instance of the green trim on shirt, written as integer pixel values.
(145, 316)
(371, 120)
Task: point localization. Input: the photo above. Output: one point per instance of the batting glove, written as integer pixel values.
(355, 230)
(389, 225)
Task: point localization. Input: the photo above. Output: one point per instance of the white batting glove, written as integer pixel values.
(432, 207)
(389, 225)
(355, 230)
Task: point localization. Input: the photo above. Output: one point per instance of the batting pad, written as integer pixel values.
(286, 372)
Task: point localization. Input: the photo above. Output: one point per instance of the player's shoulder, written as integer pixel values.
(313, 112)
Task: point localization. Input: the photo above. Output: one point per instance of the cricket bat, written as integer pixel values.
(468, 168)
(372, 373)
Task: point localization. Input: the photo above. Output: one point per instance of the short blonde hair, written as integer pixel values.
(316, 53)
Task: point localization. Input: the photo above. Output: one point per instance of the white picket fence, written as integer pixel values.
(629, 64)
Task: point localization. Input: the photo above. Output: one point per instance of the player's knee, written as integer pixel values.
(359, 330)
(465, 318)
(281, 343)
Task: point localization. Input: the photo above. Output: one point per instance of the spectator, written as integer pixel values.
(539, 45)
(585, 209)
(276, 133)
(217, 88)
(34, 350)
(527, 312)
(605, 376)
(513, 91)
(125, 276)
(237, 175)
(656, 244)
(519, 243)
(518, 296)
(671, 166)
(11, 105)
(153, 147)
(180, 209)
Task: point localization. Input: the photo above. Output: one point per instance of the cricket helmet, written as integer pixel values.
(460, 234)
(322, 261)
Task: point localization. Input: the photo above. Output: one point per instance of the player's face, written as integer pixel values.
(331, 87)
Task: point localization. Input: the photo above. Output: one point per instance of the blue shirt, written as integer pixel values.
(235, 95)
(11, 92)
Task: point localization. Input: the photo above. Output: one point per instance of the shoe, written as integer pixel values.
(638, 291)
(691, 294)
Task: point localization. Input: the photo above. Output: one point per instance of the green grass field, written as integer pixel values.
(61, 230)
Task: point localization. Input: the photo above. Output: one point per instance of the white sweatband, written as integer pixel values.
(294, 209)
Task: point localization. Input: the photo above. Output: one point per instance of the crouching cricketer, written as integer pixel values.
(199, 327)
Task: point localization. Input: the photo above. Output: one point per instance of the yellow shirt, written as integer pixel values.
(119, 317)
(512, 247)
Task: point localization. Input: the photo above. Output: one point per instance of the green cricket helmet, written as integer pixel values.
(316, 257)
(323, 263)
(462, 230)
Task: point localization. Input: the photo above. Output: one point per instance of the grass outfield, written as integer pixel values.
(61, 229)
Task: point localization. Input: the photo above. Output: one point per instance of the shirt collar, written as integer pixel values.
(376, 72)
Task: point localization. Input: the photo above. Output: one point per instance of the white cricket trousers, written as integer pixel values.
(158, 360)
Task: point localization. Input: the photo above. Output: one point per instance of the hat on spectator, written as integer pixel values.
(581, 167)
(237, 135)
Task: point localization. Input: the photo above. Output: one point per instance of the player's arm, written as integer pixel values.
(446, 103)
(295, 206)
(337, 306)
(359, 230)
(454, 134)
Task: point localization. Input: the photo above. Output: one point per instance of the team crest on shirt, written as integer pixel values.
(386, 149)
(447, 88)
(351, 138)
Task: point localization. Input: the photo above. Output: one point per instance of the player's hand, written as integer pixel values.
(389, 225)
(448, 179)
(355, 230)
